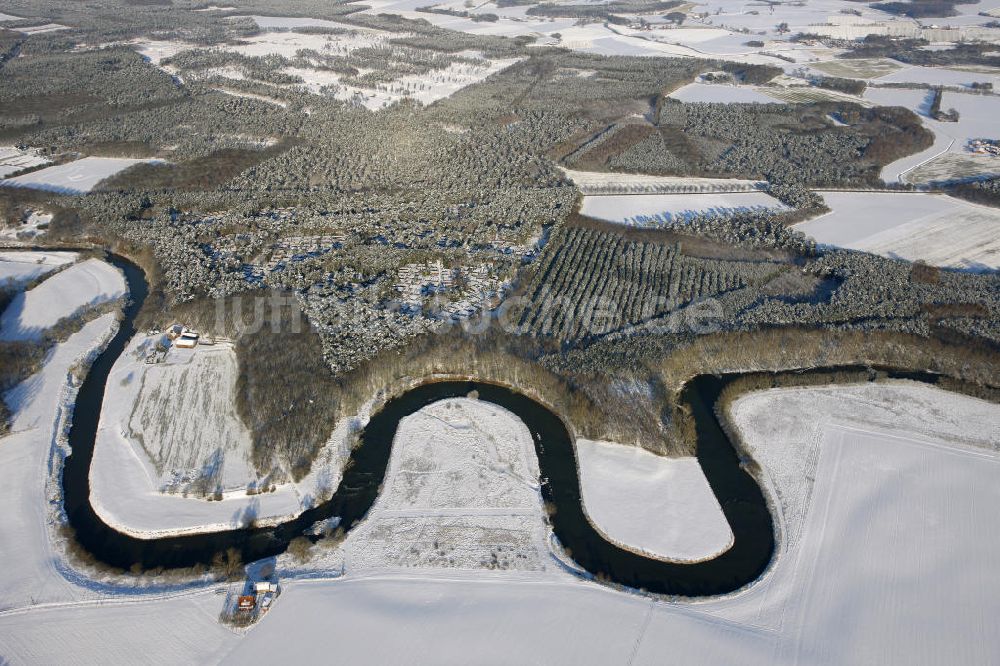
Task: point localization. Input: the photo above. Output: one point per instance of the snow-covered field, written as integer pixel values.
(938, 229)
(32, 572)
(89, 282)
(654, 209)
(19, 267)
(648, 503)
(721, 93)
(172, 426)
(977, 119)
(41, 29)
(461, 492)
(179, 416)
(77, 177)
(600, 182)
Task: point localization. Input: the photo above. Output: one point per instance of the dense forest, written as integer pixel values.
(264, 186)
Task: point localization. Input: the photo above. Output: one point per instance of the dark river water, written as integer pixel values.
(738, 493)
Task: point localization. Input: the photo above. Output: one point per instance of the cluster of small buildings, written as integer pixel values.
(178, 336)
(183, 337)
(984, 147)
(263, 596)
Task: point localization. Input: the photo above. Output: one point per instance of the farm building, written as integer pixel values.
(187, 340)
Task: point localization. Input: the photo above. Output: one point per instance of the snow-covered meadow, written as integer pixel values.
(602, 182)
(17, 267)
(172, 427)
(660, 506)
(461, 492)
(936, 228)
(721, 93)
(31, 313)
(77, 177)
(170, 435)
(977, 120)
(650, 210)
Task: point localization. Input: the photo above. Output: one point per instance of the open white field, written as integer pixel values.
(952, 166)
(938, 229)
(20, 267)
(940, 76)
(77, 177)
(180, 417)
(977, 120)
(785, 430)
(600, 182)
(461, 491)
(721, 93)
(172, 427)
(650, 210)
(42, 28)
(178, 630)
(89, 282)
(31, 571)
(648, 503)
(157, 51)
(861, 68)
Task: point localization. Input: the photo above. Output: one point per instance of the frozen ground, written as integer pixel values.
(177, 630)
(886, 496)
(169, 433)
(19, 267)
(183, 429)
(41, 29)
(724, 93)
(30, 313)
(656, 505)
(653, 209)
(461, 491)
(600, 182)
(938, 229)
(977, 119)
(940, 76)
(788, 445)
(31, 571)
(77, 177)
(177, 417)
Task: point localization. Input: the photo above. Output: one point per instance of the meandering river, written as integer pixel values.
(738, 493)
